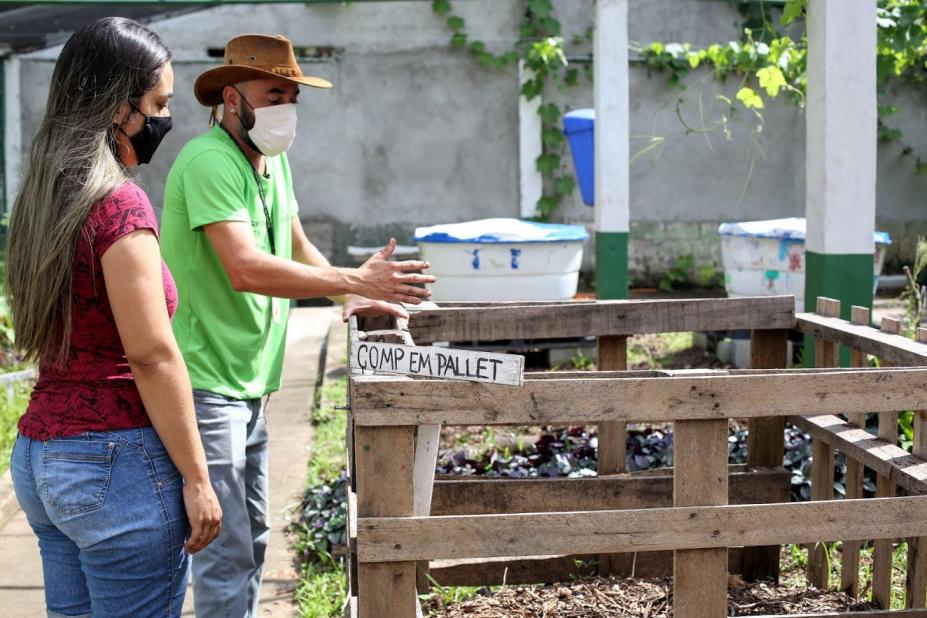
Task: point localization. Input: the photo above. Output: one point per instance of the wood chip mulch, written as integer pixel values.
(627, 598)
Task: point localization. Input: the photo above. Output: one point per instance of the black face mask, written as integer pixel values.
(146, 141)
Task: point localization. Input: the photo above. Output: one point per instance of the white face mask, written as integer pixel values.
(274, 128)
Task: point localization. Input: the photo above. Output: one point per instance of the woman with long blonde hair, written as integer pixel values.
(108, 465)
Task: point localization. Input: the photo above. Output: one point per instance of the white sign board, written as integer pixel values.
(438, 362)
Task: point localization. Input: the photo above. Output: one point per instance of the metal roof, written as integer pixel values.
(30, 27)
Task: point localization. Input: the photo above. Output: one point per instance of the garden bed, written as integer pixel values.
(647, 598)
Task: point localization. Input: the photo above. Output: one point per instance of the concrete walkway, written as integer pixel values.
(21, 590)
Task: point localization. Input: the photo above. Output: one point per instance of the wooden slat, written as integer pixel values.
(489, 536)
(626, 491)
(916, 580)
(700, 478)
(768, 350)
(826, 354)
(624, 317)
(887, 459)
(853, 481)
(385, 487)
(893, 348)
(885, 488)
(379, 401)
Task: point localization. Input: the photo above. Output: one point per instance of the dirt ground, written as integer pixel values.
(630, 598)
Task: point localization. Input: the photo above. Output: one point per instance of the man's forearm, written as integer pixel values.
(273, 276)
(308, 254)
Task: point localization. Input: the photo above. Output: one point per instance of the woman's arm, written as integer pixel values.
(132, 271)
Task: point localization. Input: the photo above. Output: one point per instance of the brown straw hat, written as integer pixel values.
(253, 56)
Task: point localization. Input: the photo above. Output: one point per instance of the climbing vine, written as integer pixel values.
(770, 62)
(540, 47)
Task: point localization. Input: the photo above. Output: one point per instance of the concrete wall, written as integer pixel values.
(417, 133)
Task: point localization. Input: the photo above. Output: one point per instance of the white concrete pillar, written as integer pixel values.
(612, 149)
(841, 119)
(12, 129)
(530, 147)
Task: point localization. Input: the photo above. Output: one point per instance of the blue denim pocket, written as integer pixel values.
(76, 473)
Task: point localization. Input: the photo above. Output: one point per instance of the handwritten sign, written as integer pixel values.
(438, 362)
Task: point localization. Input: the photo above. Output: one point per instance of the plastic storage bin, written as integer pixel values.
(502, 259)
(579, 128)
(768, 257)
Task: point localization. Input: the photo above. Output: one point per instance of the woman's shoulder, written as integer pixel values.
(128, 195)
(124, 210)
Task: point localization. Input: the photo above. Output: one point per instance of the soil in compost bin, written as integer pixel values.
(634, 598)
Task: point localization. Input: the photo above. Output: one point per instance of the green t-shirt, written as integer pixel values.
(231, 341)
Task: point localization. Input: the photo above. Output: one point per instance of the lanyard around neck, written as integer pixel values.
(257, 180)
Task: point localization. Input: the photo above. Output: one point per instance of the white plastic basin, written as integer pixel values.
(768, 258)
(502, 259)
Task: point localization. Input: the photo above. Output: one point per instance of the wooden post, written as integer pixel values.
(826, 354)
(885, 488)
(612, 452)
(916, 581)
(849, 572)
(768, 350)
(700, 478)
(613, 437)
(385, 487)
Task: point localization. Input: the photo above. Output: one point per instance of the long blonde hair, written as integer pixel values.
(72, 165)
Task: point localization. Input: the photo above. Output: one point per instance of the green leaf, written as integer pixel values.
(441, 7)
(750, 98)
(540, 8)
(546, 205)
(547, 164)
(920, 168)
(792, 10)
(564, 185)
(459, 39)
(571, 77)
(694, 60)
(549, 113)
(551, 25)
(552, 138)
(478, 47)
(772, 79)
(532, 88)
(455, 22)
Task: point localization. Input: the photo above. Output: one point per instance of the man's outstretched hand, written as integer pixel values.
(381, 279)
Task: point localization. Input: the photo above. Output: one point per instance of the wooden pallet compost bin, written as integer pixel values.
(699, 521)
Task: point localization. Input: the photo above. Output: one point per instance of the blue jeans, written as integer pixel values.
(227, 574)
(107, 508)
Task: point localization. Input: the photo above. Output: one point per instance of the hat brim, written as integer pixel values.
(209, 85)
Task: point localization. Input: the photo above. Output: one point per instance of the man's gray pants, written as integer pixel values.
(227, 574)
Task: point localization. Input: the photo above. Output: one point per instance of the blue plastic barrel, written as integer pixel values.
(579, 128)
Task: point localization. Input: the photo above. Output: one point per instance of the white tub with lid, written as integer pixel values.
(502, 259)
(768, 257)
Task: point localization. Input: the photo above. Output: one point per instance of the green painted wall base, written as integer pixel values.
(611, 265)
(847, 278)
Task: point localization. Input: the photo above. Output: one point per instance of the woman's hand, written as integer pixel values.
(380, 279)
(204, 513)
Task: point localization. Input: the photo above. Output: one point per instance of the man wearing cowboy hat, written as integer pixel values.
(231, 234)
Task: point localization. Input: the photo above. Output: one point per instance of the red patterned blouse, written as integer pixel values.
(95, 390)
